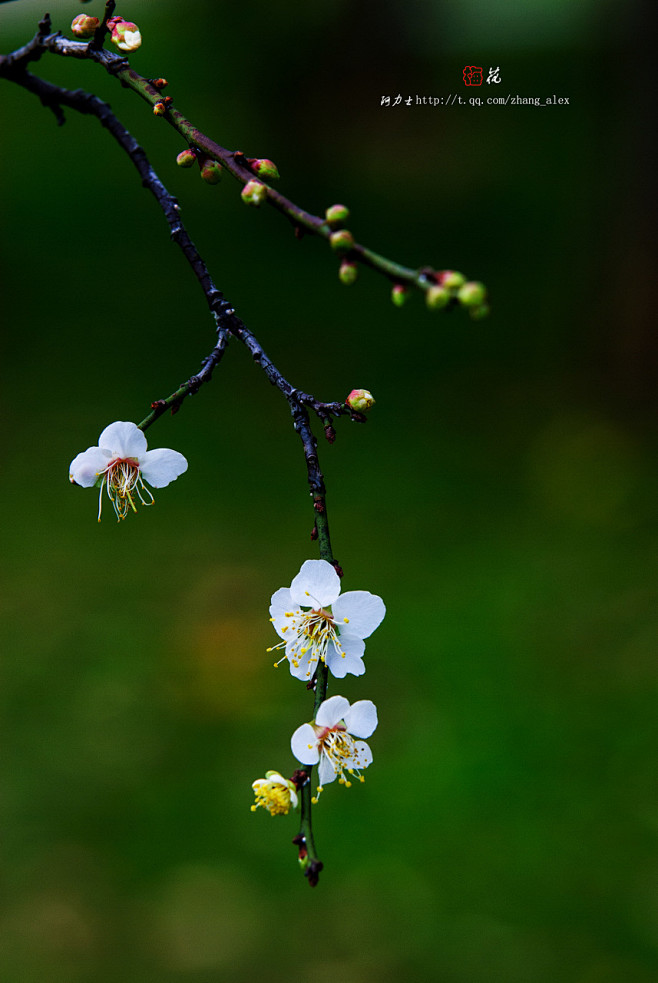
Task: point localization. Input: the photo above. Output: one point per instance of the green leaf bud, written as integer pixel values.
(211, 171)
(186, 158)
(265, 168)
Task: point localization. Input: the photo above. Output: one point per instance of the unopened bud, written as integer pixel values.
(341, 241)
(84, 26)
(337, 215)
(125, 34)
(451, 279)
(348, 272)
(211, 171)
(160, 83)
(437, 297)
(399, 294)
(265, 168)
(472, 294)
(186, 158)
(159, 109)
(254, 193)
(360, 400)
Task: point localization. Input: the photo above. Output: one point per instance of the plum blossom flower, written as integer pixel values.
(330, 740)
(121, 464)
(317, 625)
(275, 793)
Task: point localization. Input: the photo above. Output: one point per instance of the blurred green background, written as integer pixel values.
(501, 499)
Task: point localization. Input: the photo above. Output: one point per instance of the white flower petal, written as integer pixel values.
(326, 772)
(361, 718)
(362, 755)
(364, 612)
(304, 745)
(316, 583)
(86, 467)
(161, 466)
(349, 663)
(332, 711)
(123, 440)
(280, 605)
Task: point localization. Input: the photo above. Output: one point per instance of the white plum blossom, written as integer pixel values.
(317, 625)
(121, 464)
(330, 740)
(275, 793)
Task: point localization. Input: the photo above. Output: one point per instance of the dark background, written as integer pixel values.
(501, 499)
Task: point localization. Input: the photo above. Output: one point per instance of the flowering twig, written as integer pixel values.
(441, 287)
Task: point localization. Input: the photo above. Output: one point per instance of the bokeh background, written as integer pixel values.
(501, 499)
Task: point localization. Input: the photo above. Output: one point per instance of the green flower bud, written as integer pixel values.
(186, 158)
(399, 294)
(451, 279)
(341, 241)
(254, 193)
(348, 272)
(337, 215)
(437, 297)
(472, 294)
(265, 168)
(211, 171)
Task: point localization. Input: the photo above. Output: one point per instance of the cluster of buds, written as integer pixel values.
(124, 34)
(449, 286)
(84, 26)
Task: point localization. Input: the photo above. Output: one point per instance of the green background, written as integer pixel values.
(501, 499)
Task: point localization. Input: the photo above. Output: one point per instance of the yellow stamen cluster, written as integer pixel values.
(314, 630)
(341, 749)
(274, 793)
(124, 484)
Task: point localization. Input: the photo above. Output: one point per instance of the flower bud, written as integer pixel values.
(265, 168)
(472, 294)
(399, 294)
(254, 193)
(451, 279)
(211, 171)
(159, 109)
(341, 241)
(360, 400)
(437, 297)
(337, 215)
(84, 26)
(348, 272)
(160, 83)
(186, 158)
(125, 34)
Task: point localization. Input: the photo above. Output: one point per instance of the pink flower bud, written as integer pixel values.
(472, 294)
(84, 26)
(360, 400)
(211, 171)
(125, 34)
(399, 294)
(254, 193)
(437, 297)
(265, 168)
